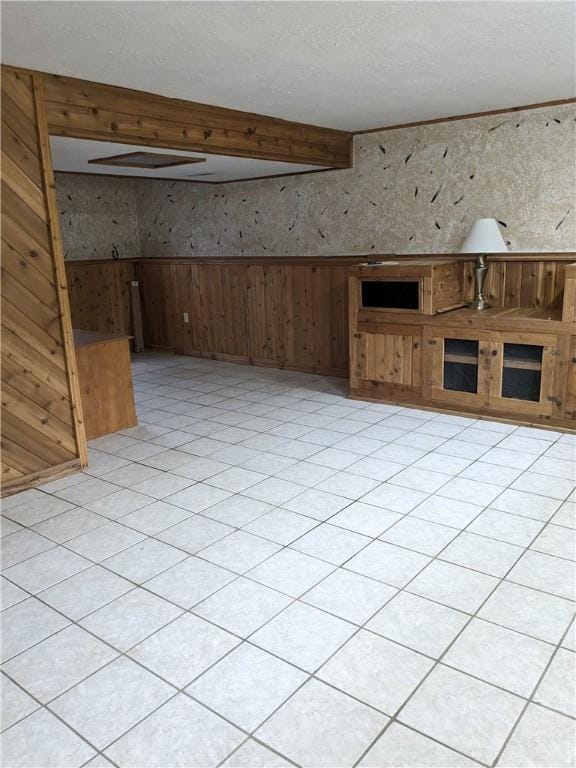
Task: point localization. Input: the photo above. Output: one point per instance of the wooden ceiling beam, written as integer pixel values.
(87, 110)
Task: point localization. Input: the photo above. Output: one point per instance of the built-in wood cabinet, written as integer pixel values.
(513, 363)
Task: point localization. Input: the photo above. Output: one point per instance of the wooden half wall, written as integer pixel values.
(42, 433)
(280, 312)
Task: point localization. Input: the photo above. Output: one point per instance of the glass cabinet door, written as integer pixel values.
(458, 363)
(523, 372)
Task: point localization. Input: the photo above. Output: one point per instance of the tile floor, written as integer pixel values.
(264, 573)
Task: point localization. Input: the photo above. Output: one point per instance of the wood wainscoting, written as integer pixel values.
(42, 431)
(282, 312)
(278, 312)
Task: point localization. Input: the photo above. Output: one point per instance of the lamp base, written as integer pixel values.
(478, 304)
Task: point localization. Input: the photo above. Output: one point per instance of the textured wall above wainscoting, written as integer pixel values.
(98, 216)
(412, 190)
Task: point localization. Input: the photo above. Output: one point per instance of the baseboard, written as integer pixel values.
(39, 478)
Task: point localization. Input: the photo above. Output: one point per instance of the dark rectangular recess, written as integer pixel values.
(391, 294)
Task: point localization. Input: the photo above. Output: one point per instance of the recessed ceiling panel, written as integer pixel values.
(150, 160)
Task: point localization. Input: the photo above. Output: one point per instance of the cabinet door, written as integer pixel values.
(524, 375)
(569, 379)
(387, 364)
(457, 367)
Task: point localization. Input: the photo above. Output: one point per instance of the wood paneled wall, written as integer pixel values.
(283, 312)
(41, 413)
(519, 283)
(100, 295)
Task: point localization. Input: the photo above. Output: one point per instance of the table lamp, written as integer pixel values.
(484, 237)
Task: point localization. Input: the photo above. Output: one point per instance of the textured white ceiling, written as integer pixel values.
(74, 154)
(350, 65)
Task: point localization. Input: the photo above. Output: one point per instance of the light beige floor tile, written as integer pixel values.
(556, 540)
(184, 649)
(316, 504)
(181, 734)
(394, 498)
(253, 755)
(242, 607)
(462, 489)
(303, 635)
(281, 526)
(349, 595)
(482, 554)
(46, 569)
(198, 497)
(506, 527)
(69, 524)
(247, 686)
(58, 663)
(130, 618)
(393, 565)
(500, 656)
(236, 479)
(420, 535)
(22, 545)
(237, 511)
(526, 504)
(453, 586)
(120, 503)
(239, 551)
(189, 582)
(104, 542)
(376, 671)
(558, 688)
(400, 747)
(321, 727)
(291, 572)
(541, 738)
(463, 713)
(37, 509)
(331, 543)
(26, 624)
(194, 533)
(42, 740)
(107, 704)
(144, 560)
(11, 594)
(274, 491)
(444, 511)
(15, 703)
(550, 574)
(530, 611)
(86, 592)
(417, 623)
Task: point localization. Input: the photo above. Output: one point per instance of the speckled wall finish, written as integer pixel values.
(412, 190)
(97, 216)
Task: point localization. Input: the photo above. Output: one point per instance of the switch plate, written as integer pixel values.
(186, 320)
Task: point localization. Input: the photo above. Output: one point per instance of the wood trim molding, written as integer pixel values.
(89, 110)
(323, 260)
(9, 487)
(469, 116)
(59, 270)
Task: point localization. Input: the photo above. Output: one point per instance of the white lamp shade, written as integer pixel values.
(484, 237)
